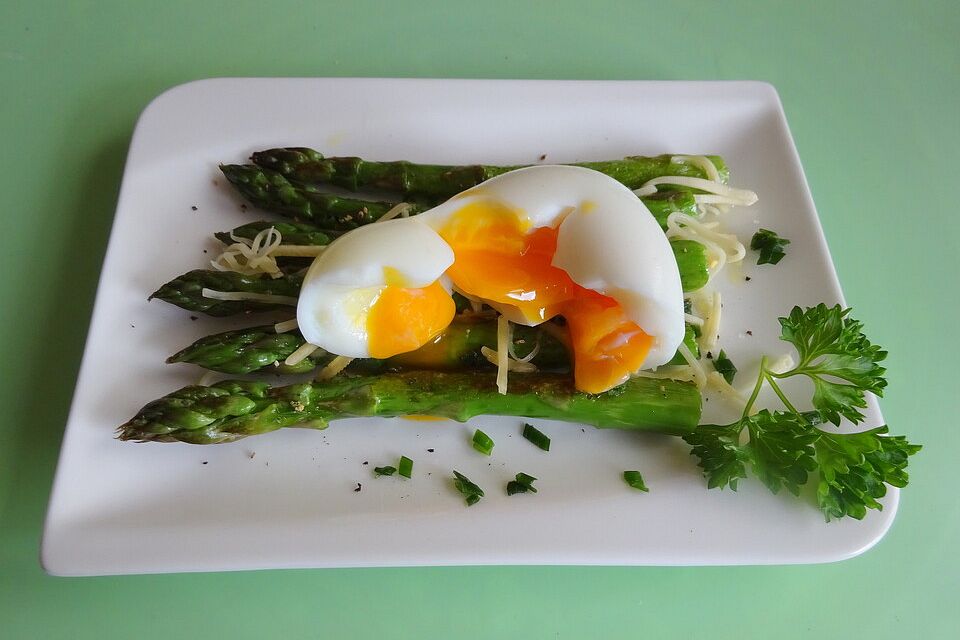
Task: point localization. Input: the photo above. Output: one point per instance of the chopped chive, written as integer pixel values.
(384, 471)
(537, 437)
(522, 484)
(725, 367)
(471, 492)
(482, 442)
(405, 467)
(635, 480)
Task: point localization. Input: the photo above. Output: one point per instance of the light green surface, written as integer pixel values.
(872, 93)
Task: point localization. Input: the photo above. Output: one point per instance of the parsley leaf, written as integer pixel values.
(837, 357)
(635, 480)
(770, 246)
(721, 457)
(784, 448)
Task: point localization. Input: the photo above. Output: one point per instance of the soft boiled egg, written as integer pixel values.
(533, 243)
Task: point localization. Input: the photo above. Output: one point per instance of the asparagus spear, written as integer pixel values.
(271, 191)
(439, 182)
(186, 291)
(234, 409)
(457, 347)
(291, 232)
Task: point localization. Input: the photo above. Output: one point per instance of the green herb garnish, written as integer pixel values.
(384, 471)
(482, 442)
(471, 492)
(725, 367)
(536, 436)
(522, 484)
(405, 467)
(770, 246)
(635, 480)
(784, 447)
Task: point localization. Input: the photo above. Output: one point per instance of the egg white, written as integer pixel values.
(346, 279)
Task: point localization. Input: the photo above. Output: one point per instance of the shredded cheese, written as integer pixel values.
(206, 378)
(503, 355)
(711, 323)
(300, 354)
(741, 196)
(683, 373)
(520, 366)
(699, 374)
(244, 295)
(251, 256)
(285, 326)
(718, 383)
(701, 162)
(402, 210)
(689, 318)
(334, 367)
(721, 247)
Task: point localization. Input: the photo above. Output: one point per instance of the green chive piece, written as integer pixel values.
(536, 436)
(482, 442)
(725, 367)
(405, 467)
(384, 471)
(471, 492)
(522, 484)
(769, 245)
(635, 480)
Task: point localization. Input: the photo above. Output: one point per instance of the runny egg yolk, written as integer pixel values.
(403, 318)
(498, 258)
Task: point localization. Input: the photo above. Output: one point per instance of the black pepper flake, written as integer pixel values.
(749, 333)
(709, 355)
(366, 462)
(359, 486)
(204, 250)
(747, 278)
(193, 317)
(133, 327)
(194, 207)
(430, 450)
(205, 462)
(252, 454)
(543, 157)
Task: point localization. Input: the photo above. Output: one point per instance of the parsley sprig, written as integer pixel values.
(783, 448)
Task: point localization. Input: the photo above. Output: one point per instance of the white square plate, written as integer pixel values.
(287, 499)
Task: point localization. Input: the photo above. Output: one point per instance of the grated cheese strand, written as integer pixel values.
(711, 324)
(742, 196)
(503, 342)
(699, 374)
(402, 210)
(206, 379)
(251, 257)
(701, 162)
(285, 326)
(334, 367)
(245, 295)
(300, 354)
(519, 366)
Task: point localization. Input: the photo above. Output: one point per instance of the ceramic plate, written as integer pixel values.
(287, 499)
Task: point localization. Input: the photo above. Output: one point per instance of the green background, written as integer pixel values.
(871, 91)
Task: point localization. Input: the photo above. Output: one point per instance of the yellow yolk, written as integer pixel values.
(402, 318)
(499, 259)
